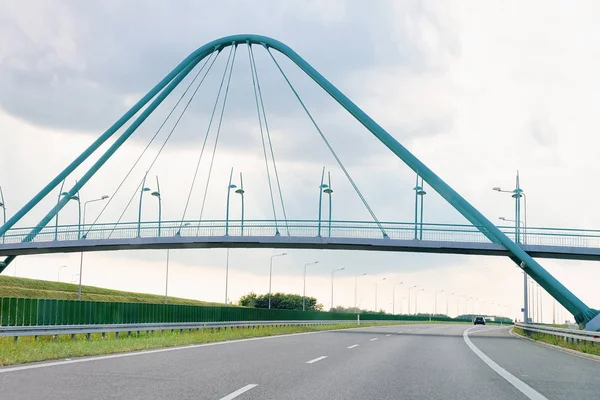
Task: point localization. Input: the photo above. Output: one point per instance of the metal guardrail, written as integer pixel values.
(55, 330)
(572, 335)
(562, 237)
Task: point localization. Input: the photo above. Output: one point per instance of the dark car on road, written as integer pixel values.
(478, 321)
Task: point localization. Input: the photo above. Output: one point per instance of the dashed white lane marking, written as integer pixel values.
(353, 346)
(239, 391)
(372, 340)
(316, 359)
(389, 334)
(510, 378)
(153, 351)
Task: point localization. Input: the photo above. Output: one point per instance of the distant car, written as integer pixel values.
(479, 321)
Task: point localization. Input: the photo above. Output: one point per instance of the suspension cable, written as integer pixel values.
(187, 202)
(170, 132)
(328, 144)
(262, 136)
(270, 142)
(234, 50)
(110, 199)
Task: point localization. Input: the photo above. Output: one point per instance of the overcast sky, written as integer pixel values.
(475, 90)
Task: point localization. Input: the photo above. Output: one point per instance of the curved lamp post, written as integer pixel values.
(104, 197)
(332, 272)
(271, 274)
(409, 289)
(304, 285)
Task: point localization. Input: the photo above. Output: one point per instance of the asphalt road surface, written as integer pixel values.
(387, 362)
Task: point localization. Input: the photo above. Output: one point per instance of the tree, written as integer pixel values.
(248, 300)
(280, 301)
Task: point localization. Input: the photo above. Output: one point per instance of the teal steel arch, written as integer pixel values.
(581, 311)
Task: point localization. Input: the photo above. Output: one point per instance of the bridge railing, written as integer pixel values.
(305, 228)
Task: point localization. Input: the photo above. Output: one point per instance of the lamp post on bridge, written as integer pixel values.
(142, 190)
(78, 200)
(304, 285)
(356, 288)
(376, 283)
(394, 296)
(324, 188)
(79, 287)
(271, 274)
(3, 205)
(241, 192)
(419, 192)
(517, 193)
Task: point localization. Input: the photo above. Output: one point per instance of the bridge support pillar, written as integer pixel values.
(593, 324)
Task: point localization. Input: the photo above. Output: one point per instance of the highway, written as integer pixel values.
(425, 361)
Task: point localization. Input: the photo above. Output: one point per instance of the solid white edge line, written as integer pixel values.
(353, 346)
(239, 391)
(44, 364)
(510, 378)
(372, 340)
(316, 359)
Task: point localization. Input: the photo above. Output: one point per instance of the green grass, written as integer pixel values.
(583, 346)
(45, 348)
(38, 289)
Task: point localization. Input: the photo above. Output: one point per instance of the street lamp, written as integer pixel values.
(394, 296)
(517, 193)
(419, 192)
(79, 287)
(304, 285)
(435, 305)
(417, 299)
(332, 272)
(376, 282)
(356, 288)
(241, 192)
(271, 274)
(328, 191)
(3, 205)
(229, 187)
(58, 274)
(78, 200)
(324, 188)
(142, 190)
(156, 194)
(409, 288)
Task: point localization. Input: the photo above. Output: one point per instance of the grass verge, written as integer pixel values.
(39, 289)
(583, 346)
(28, 350)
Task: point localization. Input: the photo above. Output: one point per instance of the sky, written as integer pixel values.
(476, 90)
